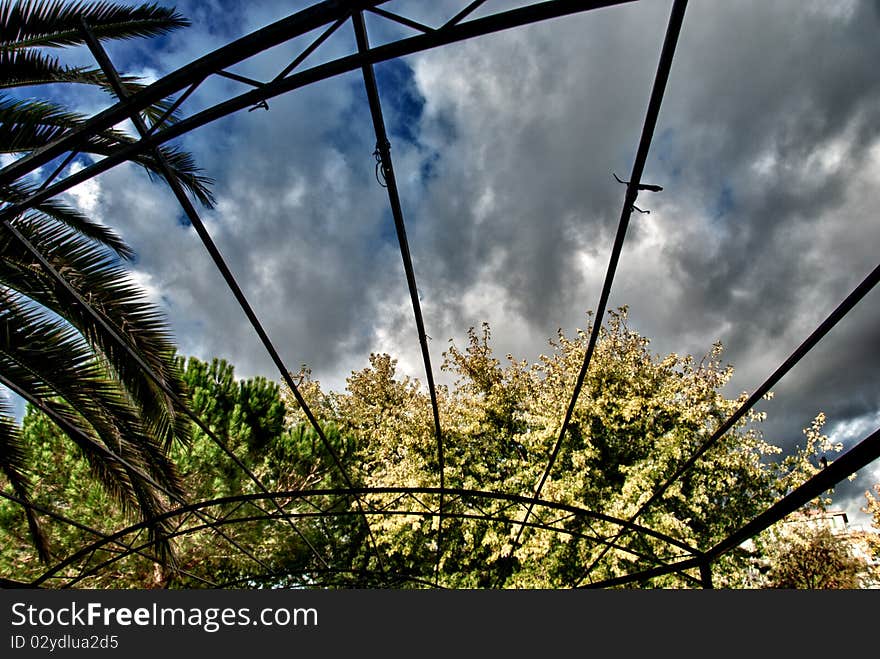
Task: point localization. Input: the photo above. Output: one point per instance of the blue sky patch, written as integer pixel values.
(402, 102)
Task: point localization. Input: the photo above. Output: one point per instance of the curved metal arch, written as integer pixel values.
(267, 516)
(858, 457)
(99, 447)
(304, 494)
(248, 46)
(129, 549)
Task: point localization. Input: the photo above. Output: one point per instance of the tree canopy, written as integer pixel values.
(638, 417)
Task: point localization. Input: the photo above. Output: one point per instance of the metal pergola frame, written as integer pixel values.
(329, 16)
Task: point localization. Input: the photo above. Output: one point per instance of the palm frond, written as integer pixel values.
(22, 68)
(44, 357)
(104, 283)
(53, 23)
(13, 458)
(29, 68)
(27, 125)
(126, 482)
(56, 211)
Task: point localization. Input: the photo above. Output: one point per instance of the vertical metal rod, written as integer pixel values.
(662, 76)
(384, 149)
(706, 574)
(191, 213)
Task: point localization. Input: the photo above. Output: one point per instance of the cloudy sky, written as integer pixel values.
(767, 146)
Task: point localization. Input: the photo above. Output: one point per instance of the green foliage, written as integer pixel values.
(248, 415)
(639, 416)
(814, 558)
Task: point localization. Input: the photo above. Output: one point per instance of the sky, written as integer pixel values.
(767, 148)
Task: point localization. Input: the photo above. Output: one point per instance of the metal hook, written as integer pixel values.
(640, 186)
(381, 173)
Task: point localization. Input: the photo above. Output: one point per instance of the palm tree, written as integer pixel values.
(52, 351)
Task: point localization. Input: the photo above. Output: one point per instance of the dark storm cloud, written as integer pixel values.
(778, 105)
(767, 148)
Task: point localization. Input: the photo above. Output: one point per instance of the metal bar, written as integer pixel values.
(242, 79)
(706, 574)
(403, 20)
(299, 515)
(311, 48)
(858, 457)
(220, 263)
(64, 163)
(222, 58)
(173, 107)
(645, 575)
(465, 493)
(384, 149)
(664, 67)
(462, 14)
